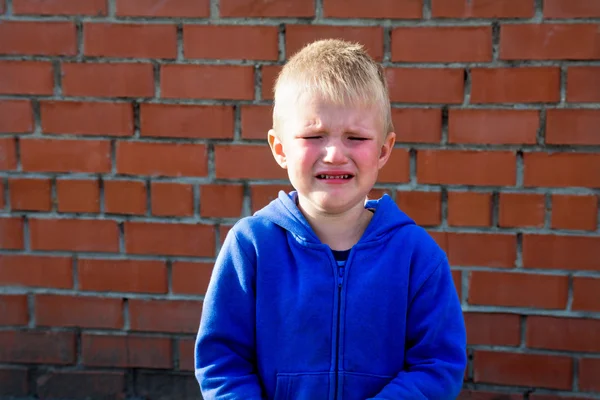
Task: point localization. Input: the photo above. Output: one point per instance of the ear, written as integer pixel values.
(386, 149)
(277, 149)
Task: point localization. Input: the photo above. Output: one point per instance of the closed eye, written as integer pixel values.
(311, 137)
(360, 139)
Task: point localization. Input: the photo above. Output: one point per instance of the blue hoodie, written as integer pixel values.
(281, 321)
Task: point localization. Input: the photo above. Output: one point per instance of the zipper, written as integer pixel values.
(340, 281)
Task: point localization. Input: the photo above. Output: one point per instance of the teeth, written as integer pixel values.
(334, 176)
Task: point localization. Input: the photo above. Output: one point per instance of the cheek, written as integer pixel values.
(367, 156)
(304, 157)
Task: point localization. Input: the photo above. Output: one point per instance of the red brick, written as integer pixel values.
(125, 197)
(257, 161)
(126, 351)
(298, 36)
(159, 385)
(571, 9)
(456, 167)
(12, 229)
(397, 168)
(233, 42)
(162, 159)
(2, 191)
(13, 380)
(172, 199)
(504, 289)
(521, 210)
(482, 8)
(570, 126)
(16, 116)
(570, 334)
(583, 84)
(534, 396)
(13, 308)
(8, 154)
(457, 279)
(493, 126)
(472, 249)
(196, 122)
(574, 212)
(35, 347)
(256, 121)
(60, 7)
(78, 196)
(377, 193)
(163, 8)
(402, 9)
(108, 80)
(38, 38)
(262, 195)
(549, 41)
(561, 252)
(26, 77)
(36, 271)
(425, 208)
(86, 118)
(466, 394)
(221, 82)
(585, 294)
(81, 384)
(174, 316)
(493, 329)
(110, 275)
(469, 209)
(49, 155)
(74, 235)
(272, 8)
(533, 370)
(31, 194)
(562, 169)
(130, 40)
(269, 76)
(442, 44)
(186, 348)
(78, 311)
(425, 85)
(223, 232)
(191, 277)
(417, 125)
(589, 370)
(515, 85)
(169, 239)
(221, 201)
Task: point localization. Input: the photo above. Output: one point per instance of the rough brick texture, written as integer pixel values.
(132, 138)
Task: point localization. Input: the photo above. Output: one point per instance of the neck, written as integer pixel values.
(338, 231)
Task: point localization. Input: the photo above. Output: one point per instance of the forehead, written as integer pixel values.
(316, 109)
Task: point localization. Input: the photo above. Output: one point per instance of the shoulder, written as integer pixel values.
(419, 242)
(253, 231)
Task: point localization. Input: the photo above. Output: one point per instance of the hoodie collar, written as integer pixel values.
(284, 212)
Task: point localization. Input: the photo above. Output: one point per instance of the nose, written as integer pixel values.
(335, 152)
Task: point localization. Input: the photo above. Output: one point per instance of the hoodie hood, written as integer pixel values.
(284, 212)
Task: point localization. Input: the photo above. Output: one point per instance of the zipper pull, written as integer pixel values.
(341, 276)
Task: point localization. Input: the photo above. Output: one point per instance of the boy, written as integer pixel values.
(323, 294)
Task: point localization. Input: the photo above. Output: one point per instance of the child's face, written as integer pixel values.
(333, 153)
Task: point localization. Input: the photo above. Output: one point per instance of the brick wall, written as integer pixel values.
(132, 138)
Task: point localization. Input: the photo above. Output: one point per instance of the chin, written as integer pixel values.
(335, 204)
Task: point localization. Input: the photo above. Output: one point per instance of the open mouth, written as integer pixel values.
(347, 176)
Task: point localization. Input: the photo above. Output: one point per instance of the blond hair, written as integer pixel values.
(337, 71)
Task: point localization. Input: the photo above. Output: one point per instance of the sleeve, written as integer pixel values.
(225, 356)
(436, 354)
